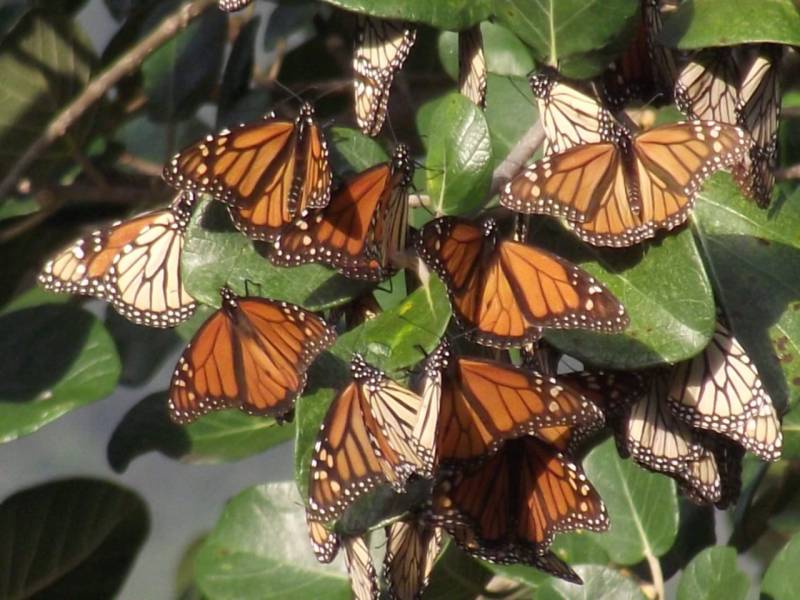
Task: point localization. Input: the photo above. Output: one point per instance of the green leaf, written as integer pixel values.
(707, 23)
(457, 576)
(599, 583)
(238, 72)
(142, 350)
(642, 506)
(442, 14)
(180, 75)
(753, 258)
(18, 207)
(11, 14)
(564, 32)
(510, 111)
(712, 575)
(215, 254)
(75, 538)
(666, 292)
(505, 54)
(459, 161)
(391, 341)
(782, 578)
(351, 150)
(575, 548)
(259, 550)
(218, 437)
(46, 61)
(53, 359)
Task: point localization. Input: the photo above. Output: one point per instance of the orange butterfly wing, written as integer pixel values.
(252, 354)
(504, 292)
(261, 170)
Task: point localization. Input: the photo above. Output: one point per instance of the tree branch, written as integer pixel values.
(518, 156)
(99, 86)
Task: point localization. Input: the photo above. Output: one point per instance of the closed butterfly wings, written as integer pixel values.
(619, 194)
(251, 354)
(707, 86)
(233, 5)
(360, 230)
(381, 48)
(472, 66)
(267, 172)
(504, 292)
(134, 264)
(720, 391)
(412, 545)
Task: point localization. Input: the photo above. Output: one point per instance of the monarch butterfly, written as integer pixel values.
(472, 66)
(134, 264)
(471, 406)
(412, 545)
(515, 502)
(324, 541)
(505, 292)
(715, 478)
(363, 578)
(707, 86)
(757, 113)
(646, 70)
(621, 193)
(362, 228)
(267, 172)
(720, 390)
(570, 117)
(252, 354)
(233, 5)
(355, 448)
(381, 48)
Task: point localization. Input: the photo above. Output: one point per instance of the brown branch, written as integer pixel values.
(792, 172)
(99, 86)
(518, 156)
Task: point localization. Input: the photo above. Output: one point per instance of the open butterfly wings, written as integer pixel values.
(510, 508)
(412, 546)
(482, 403)
(504, 292)
(266, 172)
(381, 48)
(133, 264)
(720, 390)
(758, 112)
(360, 230)
(621, 194)
(472, 66)
(252, 354)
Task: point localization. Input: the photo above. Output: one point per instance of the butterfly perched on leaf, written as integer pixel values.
(621, 193)
(570, 116)
(251, 354)
(471, 406)
(362, 228)
(381, 48)
(472, 66)
(757, 112)
(509, 508)
(134, 264)
(364, 440)
(503, 292)
(267, 172)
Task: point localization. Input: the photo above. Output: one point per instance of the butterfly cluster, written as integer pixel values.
(491, 446)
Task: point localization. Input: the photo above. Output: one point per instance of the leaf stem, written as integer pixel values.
(99, 86)
(518, 156)
(655, 572)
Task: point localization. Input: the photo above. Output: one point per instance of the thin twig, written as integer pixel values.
(140, 165)
(655, 572)
(99, 86)
(518, 156)
(792, 172)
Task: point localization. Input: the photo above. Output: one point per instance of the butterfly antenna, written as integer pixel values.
(248, 283)
(288, 90)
